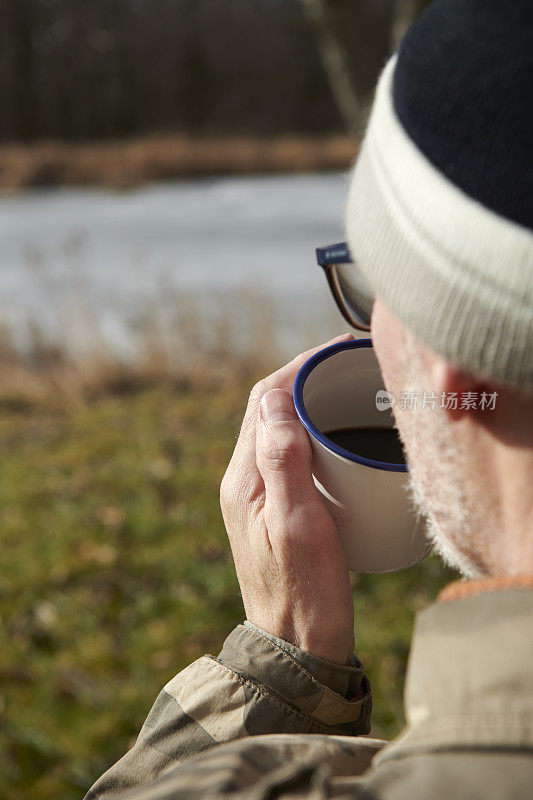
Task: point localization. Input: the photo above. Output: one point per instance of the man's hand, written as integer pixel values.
(290, 565)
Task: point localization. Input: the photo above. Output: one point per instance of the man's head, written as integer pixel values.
(440, 222)
(470, 468)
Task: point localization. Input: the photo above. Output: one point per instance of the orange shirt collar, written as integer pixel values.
(459, 589)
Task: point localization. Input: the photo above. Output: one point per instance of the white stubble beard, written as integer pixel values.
(437, 476)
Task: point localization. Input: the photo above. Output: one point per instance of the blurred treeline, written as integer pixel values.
(89, 69)
(105, 68)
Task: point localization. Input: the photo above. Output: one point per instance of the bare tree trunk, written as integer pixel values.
(405, 12)
(354, 38)
(335, 62)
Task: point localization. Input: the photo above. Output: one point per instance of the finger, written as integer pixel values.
(283, 454)
(281, 379)
(242, 467)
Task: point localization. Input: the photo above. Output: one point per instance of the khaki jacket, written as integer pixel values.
(265, 720)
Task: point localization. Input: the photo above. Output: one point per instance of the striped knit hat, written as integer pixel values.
(440, 210)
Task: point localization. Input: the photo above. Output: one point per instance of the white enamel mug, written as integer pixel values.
(341, 387)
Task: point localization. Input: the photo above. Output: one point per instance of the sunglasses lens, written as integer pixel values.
(356, 292)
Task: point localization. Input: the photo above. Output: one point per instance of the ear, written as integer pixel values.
(453, 382)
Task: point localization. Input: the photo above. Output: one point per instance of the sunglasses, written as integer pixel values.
(349, 288)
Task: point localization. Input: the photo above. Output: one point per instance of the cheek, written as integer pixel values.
(388, 346)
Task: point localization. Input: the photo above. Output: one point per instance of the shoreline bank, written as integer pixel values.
(129, 163)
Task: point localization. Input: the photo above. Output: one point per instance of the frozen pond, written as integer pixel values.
(70, 257)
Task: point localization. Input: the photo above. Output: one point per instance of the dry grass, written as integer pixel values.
(31, 380)
(182, 349)
(127, 163)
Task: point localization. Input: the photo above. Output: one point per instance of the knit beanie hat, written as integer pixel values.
(440, 209)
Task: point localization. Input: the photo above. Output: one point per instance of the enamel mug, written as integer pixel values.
(341, 387)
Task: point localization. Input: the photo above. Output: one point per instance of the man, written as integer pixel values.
(440, 223)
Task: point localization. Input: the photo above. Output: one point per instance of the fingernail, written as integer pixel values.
(342, 337)
(277, 406)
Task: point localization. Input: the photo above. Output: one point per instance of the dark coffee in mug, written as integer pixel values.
(378, 444)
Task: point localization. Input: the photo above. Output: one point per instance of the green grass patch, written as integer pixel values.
(116, 574)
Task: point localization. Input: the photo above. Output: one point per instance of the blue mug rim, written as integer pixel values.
(298, 395)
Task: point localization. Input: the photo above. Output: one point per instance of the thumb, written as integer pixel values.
(283, 451)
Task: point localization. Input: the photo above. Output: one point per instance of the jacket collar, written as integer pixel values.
(459, 589)
(470, 674)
